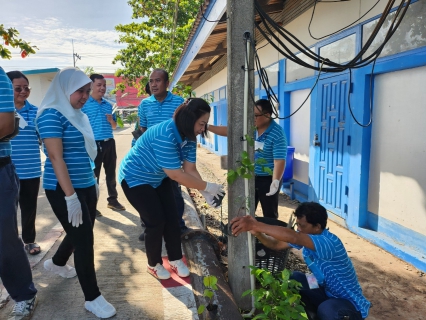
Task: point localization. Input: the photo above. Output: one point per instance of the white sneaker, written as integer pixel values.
(23, 309)
(180, 268)
(66, 271)
(100, 307)
(159, 271)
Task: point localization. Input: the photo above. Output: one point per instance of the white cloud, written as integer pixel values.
(97, 48)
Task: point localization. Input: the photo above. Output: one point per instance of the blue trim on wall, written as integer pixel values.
(382, 232)
(39, 71)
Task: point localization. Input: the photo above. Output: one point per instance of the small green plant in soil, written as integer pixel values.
(245, 167)
(278, 297)
(210, 285)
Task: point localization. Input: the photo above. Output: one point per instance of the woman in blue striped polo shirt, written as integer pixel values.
(165, 152)
(69, 181)
(26, 157)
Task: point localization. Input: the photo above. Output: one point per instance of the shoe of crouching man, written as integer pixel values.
(100, 308)
(23, 309)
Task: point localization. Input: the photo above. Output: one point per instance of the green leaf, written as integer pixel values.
(207, 293)
(268, 170)
(120, 122)
(201, 309)
(232, 176)
(247, 176)
(247, 292)
(209, 281)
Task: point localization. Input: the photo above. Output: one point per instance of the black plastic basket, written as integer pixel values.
(269, 259)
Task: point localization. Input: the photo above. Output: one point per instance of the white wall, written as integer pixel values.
(300, 134)
(397, 186)
(328, 18)
(215, 82)
(39, 84)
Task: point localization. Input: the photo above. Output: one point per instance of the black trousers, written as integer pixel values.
(326, 308)
(157, 208)
(269, 204)
(28, 195)
(15, 271)
(180, 204)
(78, 240)
(107, 155)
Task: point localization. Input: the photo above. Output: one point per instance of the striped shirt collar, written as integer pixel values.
(168, 97)
(91, 100)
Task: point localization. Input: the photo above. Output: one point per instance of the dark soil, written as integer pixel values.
(215, 218)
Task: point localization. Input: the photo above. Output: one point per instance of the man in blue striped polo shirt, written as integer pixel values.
(270, 153)
(333, 290)
(15, 271)
(99, 112)
(159, 107)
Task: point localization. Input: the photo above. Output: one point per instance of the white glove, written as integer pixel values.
(209, 199)
(75, 215)
(97, 190)
(273, 188)
(215, 189)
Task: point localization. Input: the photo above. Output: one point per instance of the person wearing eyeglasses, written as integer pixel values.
(270, 152)
(26, 158)
(15, 271)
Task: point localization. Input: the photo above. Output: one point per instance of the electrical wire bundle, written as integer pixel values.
(271, 31)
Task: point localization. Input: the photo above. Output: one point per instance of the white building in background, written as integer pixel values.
(371, 180)
(39, 80)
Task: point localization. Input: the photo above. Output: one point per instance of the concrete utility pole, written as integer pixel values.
(241, 20)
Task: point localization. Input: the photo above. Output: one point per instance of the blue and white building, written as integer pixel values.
(371, 180)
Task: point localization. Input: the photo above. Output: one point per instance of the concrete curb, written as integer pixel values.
(201, 253)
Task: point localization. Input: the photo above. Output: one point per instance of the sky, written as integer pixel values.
(51, 25)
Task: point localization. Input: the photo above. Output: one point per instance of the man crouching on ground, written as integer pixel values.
(339, 295)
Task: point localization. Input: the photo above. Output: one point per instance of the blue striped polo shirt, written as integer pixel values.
(274, 146)
(330, 262)
(6, 105)
(160, 147)
(52, 124)
(25, 146)
(152, 112)
(96, 112)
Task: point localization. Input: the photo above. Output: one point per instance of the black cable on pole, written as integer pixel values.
(357, 62)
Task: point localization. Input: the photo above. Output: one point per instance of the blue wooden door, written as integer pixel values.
(331, 141)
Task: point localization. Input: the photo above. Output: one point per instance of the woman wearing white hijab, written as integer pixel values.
(69, 181)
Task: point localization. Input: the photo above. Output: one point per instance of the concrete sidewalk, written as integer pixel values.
(120, 262)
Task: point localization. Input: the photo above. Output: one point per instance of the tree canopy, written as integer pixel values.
(10, 38)
(157, 41)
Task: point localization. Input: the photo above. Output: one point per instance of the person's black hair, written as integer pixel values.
(147, 88)
(187, 114)
(313, 212)
(16, 75)
(164, 72)
(265, 105)
(95, 76)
